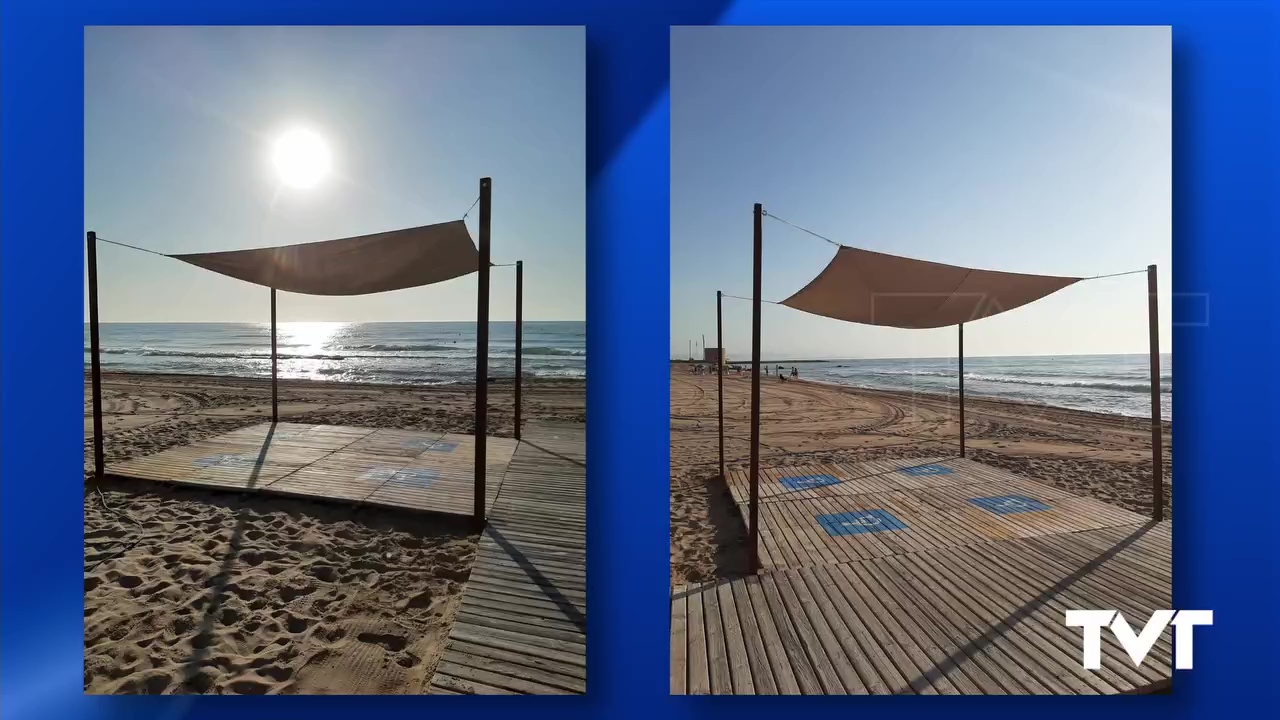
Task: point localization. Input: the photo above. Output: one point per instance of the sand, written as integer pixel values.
(199, 591)
(1107, 457)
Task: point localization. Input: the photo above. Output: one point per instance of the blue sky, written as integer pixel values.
(1043, 150)
(179, 124)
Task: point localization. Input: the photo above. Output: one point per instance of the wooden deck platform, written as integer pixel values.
(943, 576)
(522, 625)
(424, 471)
(831, 513)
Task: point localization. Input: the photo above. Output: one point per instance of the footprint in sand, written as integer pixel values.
(201, 682)
(276, 672)
(129, 581)
(296, 624)
(421, 600)
(289, 594)
(324, 573)
(394, 643)
(154, 684)
(248, 687)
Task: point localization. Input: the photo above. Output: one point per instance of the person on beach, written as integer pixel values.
(795, 374)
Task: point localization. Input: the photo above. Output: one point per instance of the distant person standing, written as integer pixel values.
(795, 374)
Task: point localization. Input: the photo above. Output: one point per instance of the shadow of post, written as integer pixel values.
(202, 644)
(542, 581)
(566, 458)
(1000, 627)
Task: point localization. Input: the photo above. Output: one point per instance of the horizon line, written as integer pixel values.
(932, 357)
(281, 322)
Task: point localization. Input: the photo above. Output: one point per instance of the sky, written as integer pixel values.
(1039, 149)
(179, 130)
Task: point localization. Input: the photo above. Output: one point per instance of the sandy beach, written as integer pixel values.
(219, 592)
(1102, 456)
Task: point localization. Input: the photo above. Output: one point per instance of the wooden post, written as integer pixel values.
(753, 531)
(275, 405)
(482, 355)
(1157, 459)
(720, 378)
(519, 381)
(961, 326)
(95, 365)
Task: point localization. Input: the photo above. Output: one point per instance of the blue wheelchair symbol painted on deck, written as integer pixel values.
(415, 477)
(805, 482)
(927, 470)
(379, 474)
(396, 475)
(417, 444)
(860, 521)
(1008, 504)
(442, 446)
(224, 460)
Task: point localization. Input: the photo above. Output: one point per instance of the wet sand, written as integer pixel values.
(1107, 457)
(218, 592)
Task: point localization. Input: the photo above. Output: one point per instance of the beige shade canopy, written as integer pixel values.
(353, 266)
(877, 289)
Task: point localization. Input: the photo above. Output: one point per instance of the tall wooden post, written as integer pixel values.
(753, 530)
(961, 326)
(482, 355)
(519, 381)
(720, 378)
(1157, 450)
(95, 365)
(275, 404)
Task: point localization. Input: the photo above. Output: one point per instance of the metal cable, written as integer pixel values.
(801, 229)
(131, 247)
(739, 297)
(473, 207)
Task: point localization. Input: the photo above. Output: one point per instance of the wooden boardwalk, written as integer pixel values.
(522, 625)
(425, 471)
(927, 577)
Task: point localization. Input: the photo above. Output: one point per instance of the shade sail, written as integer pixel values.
(878, 289)
(353, 266)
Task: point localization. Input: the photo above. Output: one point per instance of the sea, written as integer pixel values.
(1116, 384)
(431, 353)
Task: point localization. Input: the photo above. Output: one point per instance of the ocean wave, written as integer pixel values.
(1016, 376)
(542, 350)
(1137, 387)
(391, 347)
(147, 352)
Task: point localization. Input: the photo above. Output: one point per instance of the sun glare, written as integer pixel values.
(301, 158)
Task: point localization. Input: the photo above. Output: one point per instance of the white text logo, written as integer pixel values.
(1139, 644)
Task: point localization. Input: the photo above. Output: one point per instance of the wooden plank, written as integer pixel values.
(963, 599)
(521, 626)
(679, 643)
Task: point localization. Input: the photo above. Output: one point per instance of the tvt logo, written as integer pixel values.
(1138, 645)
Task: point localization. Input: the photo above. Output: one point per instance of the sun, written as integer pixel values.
(301, 158)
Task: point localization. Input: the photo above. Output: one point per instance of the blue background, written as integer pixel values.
(1225, 250)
